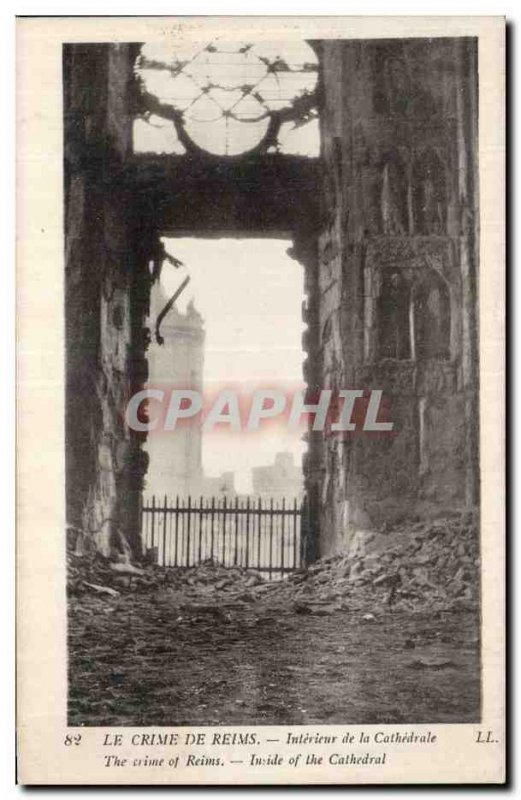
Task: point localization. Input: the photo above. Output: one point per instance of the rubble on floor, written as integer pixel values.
(427, 565)
(94, 573)
(418, 566)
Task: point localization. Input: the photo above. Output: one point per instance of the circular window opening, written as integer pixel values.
(227, 98)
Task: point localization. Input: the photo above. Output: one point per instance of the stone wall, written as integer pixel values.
(397, 275)
(105, 300)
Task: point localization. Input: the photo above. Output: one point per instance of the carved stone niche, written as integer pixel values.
(407, 303)
(431, 317)
(392, 317)
(392, 93)
(429, 194)
(413, 316)
(394, 191)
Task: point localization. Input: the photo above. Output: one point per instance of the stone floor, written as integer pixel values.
(147, 659)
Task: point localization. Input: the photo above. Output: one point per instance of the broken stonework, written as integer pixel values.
(398, 194)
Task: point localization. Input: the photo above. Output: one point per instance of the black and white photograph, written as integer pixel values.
(281, 527)
(268, 245)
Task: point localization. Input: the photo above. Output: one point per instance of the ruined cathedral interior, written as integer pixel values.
(382, 219)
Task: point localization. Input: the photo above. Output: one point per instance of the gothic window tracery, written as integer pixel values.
(227, 99)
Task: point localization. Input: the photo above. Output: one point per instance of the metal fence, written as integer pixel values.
(251, 533)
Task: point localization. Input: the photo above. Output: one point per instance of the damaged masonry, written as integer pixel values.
(381, 214)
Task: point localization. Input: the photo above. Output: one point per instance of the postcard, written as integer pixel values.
(261, 391)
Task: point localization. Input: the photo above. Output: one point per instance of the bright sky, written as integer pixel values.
(249, 292)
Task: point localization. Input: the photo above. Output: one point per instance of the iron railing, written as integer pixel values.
(263, 535)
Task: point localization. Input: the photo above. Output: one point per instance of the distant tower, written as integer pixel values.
(176, 456)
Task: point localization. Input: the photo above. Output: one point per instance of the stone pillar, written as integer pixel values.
(100, 264)
(305, 251)
(399, 232)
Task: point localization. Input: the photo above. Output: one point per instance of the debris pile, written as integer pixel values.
(93, 573)
(433, 565)
(211, 583)
(418, 566)
(97, 574)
